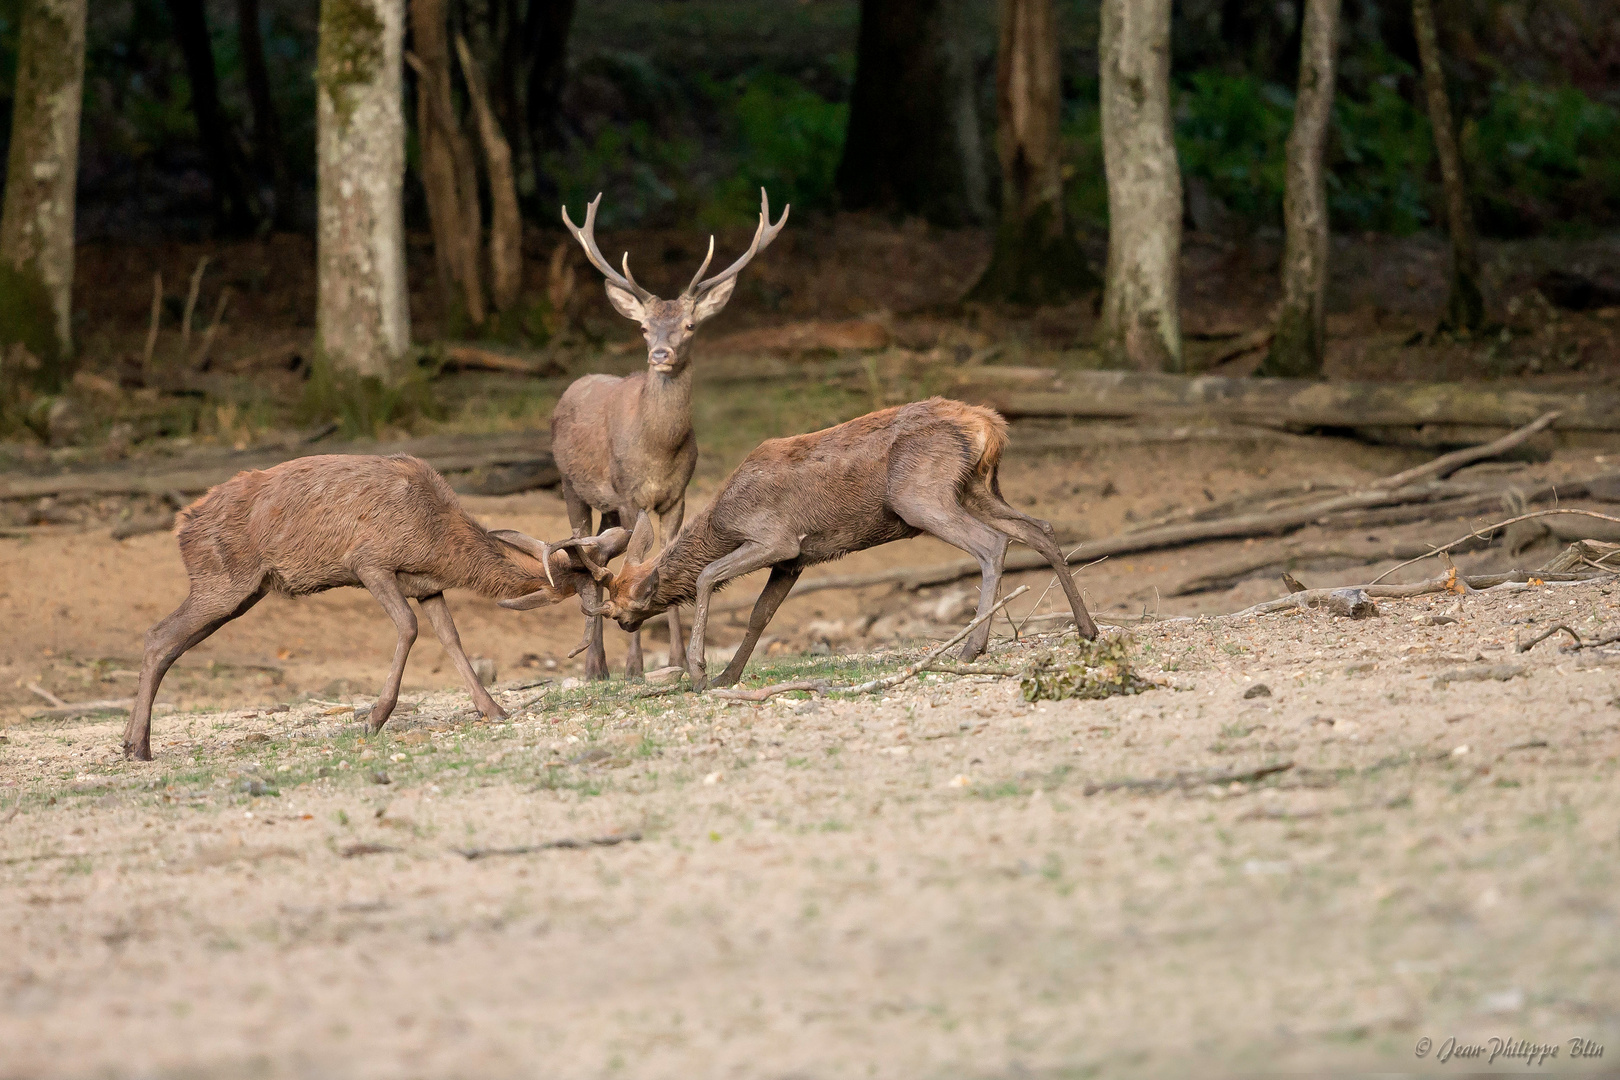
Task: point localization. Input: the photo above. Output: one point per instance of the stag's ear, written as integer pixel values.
(710, 303)
(641, 540)
(624, 302)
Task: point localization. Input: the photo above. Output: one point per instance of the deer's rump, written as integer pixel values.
(304, 526)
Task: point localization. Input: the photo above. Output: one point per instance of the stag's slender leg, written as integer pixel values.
(957, 527)
(198, 616)
(444, 628)
(752, 556)
(669, 525)
(579, 519)
(770, 598)
(1037, 534)
(385, 587)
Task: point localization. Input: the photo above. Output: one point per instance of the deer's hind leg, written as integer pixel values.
(385, 587)
(988, 506)
(208, 607)
(444, 628)
(957, 527)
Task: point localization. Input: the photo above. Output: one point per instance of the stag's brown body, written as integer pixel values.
(389, 524)
(625, 445)
(928, 467)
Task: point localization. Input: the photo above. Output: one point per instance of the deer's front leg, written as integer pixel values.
(745, 560)
(669, 525)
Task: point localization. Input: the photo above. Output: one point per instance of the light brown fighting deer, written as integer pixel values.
(624, 445)
(928, 467)
(390, 524)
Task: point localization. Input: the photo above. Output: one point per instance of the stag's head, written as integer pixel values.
(567, 569)
(668, 325)
(630, 596)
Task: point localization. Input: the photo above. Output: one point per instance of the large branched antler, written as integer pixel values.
(763, 235)
(586, 235)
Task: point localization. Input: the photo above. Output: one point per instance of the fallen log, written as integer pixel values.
(1448, 582)
(1296, 556)
(448, 454)
(463, 357)
(1296, 404)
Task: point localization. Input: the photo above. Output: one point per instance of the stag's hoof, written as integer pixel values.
(137, 753)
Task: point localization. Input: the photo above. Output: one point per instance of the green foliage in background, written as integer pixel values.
(1378, 161)
(1544, 158)
(1232, 133)
(639, 173)
(787, 139)
(363, 405)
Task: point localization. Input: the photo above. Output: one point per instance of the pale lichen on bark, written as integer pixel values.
(36, 225)
(1141, 322)
(362, 316)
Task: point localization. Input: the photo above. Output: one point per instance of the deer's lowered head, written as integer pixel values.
(668, 325)
(629, 597)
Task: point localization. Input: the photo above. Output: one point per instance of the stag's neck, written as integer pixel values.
(666, 409)
(498, 571)
(681, 561)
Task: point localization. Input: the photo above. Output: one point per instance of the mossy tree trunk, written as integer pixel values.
(1036, 259)
(235, 207)
(913, 142)
(1296, 349)
(1141, 322)
(1465, 306)
(362, 317)
(36, 224)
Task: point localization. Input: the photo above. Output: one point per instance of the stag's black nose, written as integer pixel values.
(661, 355)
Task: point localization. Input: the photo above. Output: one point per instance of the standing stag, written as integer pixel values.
(625, 446)
(390, 524)
(928, 467)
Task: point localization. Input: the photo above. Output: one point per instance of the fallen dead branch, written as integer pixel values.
(1481, 673)
(974, 669)
(565, 844)
(1448, 582)
(1580, 642)
(1489, 529)
(871, 685)
(474, 358)
(1446, 464)
(1300, 403)
(49, 698)
(1190, 780)
(365, 847)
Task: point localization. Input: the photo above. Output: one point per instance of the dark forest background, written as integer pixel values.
(681, 109)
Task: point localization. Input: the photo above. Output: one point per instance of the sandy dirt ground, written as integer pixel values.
(936, 883)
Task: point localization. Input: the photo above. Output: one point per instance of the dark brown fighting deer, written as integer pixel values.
(624, 446)
(928, 467)
(390, 524)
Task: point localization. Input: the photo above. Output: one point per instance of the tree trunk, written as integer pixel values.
(362, 317)
(1141, 322)
(449, 173)
(36, 225)
(505, 224)
(268, 152)
(1465, 307)
(1301, 325)
(913, 139)
(1036, 260)
(233, 205)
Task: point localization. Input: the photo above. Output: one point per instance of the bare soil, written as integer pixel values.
(912, 885)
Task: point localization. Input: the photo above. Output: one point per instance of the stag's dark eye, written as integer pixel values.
(691, 326)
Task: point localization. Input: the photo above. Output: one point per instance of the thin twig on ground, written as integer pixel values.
(883, 683)
(152, 326)
(1190, 780)
(50, 698)
(970, 669)
(191, 305)
(1446, 464)
(566, 844)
